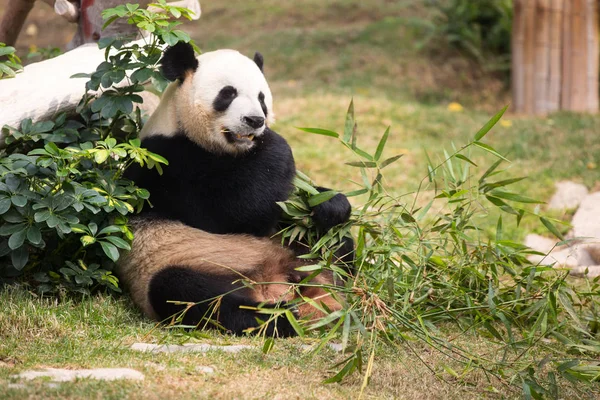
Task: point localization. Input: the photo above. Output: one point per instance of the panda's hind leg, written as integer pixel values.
(186, 285)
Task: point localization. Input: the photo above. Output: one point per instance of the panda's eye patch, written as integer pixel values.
(224, 98)
(261, 100)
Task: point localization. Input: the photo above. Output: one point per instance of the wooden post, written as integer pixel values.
(555, 56)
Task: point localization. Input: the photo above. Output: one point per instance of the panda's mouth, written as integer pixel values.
(237, 138)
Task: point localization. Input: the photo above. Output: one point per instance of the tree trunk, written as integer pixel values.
(13, 20)
(555, 56)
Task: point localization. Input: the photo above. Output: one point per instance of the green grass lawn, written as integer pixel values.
(96, 332)
(318, 56)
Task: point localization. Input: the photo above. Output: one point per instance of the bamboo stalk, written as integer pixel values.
(518, 44)
(529, 57)
(565, 99)
(555, 59)
(578, 92)
(541, 57)
(592, 45)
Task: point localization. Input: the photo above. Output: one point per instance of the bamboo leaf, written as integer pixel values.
(362, 164)
(490, 150)
(318, 131)
(552, 228)
(490, 124)
(349, 125)
(382, 143)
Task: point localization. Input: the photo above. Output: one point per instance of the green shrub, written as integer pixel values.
(481, 28)
(9, 62)
(63, 199)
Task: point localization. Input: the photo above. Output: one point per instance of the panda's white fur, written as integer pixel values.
(188, 105)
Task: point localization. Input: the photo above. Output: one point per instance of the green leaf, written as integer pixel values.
(318, 131)
(86, 240)
(309, 268)
(19, 201)
(514, 197)
(4, 205)
(490, 124)
(101, 155)
(304, 186)
(117, 241)
(382, 143)
(322, 197)
(294, 322)
(390, 160)
(17, 239)
(34, 235)
(552, 228)
(349, 125)
(350, 366)
(19, 257)
(268, 345)
(362, 164)
(109, 229)
(490, 149)
(465, 158)
(4, 50)
(110, 250)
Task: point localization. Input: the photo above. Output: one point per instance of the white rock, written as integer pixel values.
(592, 271)
(204, 369)
(568, 195)
(594, 251)
(586, 224)
(187, 348)
(540, 243)
(16, 386)
(569, 257)
(65, 375)
(586, 221)
(337, 347)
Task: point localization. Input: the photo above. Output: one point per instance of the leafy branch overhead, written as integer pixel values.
(64, 200)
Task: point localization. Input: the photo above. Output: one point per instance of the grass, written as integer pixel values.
(318, 56)
(97, 331)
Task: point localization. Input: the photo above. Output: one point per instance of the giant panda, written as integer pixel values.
(214, 208)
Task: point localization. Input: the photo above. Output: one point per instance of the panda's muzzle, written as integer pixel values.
(237, 137)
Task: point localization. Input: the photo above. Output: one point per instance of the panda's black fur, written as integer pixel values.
(220, 193)
(213, 207)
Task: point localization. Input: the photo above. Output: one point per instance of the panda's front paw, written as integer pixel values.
(333, 212)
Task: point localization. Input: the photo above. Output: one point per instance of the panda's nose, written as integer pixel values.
(254, 121)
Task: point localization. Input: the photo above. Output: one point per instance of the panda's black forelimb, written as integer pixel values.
(332, 212)
(181, 284)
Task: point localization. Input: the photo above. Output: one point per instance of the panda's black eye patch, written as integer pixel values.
(261, 100)
(224, 98)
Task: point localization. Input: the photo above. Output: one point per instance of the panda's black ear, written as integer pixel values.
(178, 60)
(259, 60)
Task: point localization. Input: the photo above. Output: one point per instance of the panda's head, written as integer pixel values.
(220, 100)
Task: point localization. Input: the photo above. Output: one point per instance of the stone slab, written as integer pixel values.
(568, 195)
(187, 348)
(589, 271)
(66, 375)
